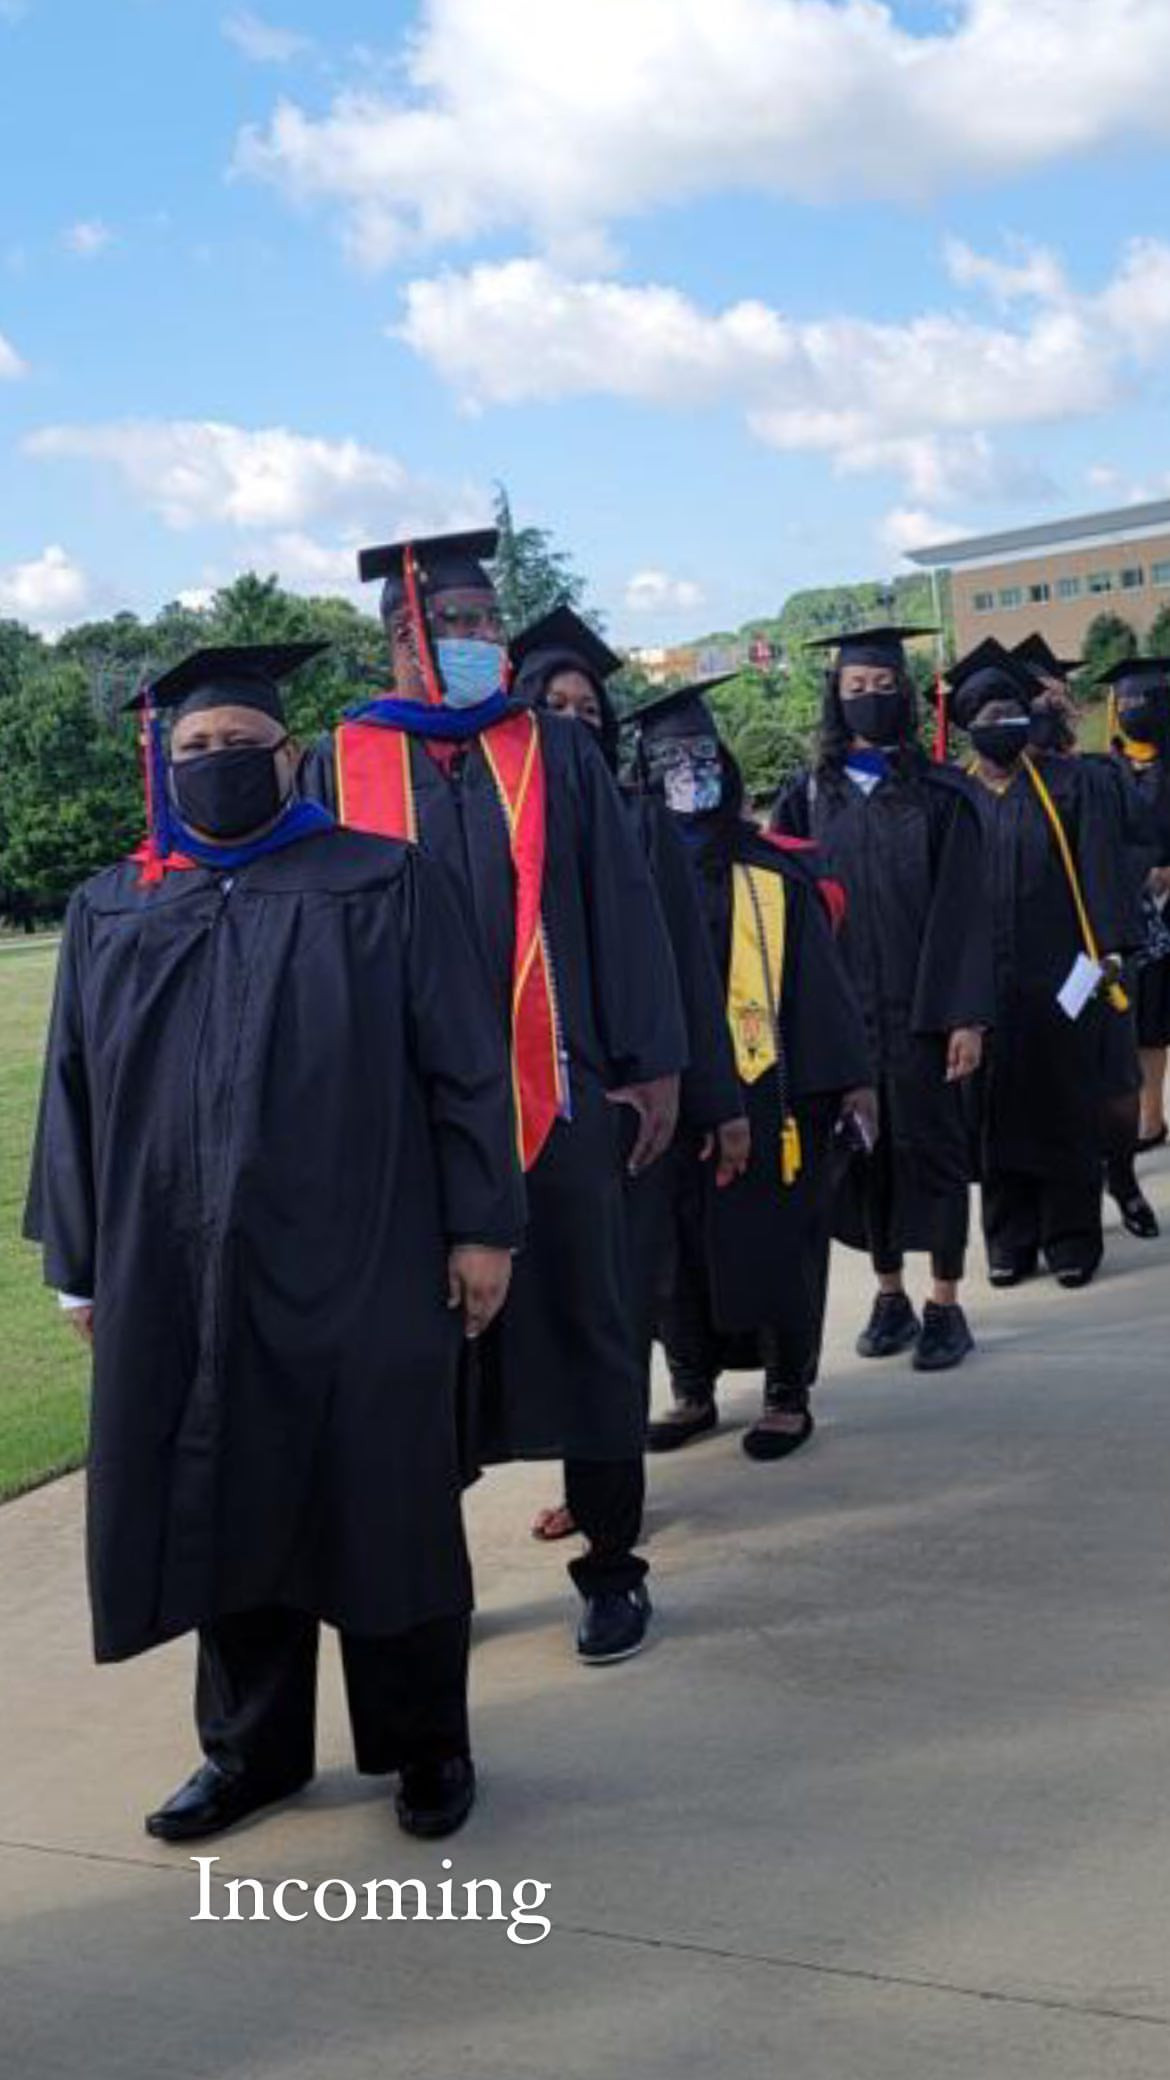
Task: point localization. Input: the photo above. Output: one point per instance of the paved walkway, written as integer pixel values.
(887, 1801)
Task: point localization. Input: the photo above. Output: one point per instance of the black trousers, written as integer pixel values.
(256, 1695)
(696, 1352)
(606, 1498)
(1026, 1216)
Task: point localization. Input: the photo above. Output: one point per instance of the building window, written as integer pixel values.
(1068, 588)
(1133, 579)
(984, 602)
(1039, 595)
(1160, 574)
(1011, 596)
(1100, 581)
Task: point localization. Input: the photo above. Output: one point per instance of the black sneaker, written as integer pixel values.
(1071, 1277)
(945, 1339)
(681, 1425)
(434, 1798)
(892, 1327)
(613, 1625)
(1012, 1271)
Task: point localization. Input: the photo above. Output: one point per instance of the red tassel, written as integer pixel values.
(941, 738)
(422, 637)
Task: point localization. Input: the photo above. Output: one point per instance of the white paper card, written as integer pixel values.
(1081, 985)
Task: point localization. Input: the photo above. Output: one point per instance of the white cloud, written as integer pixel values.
(265, 43)
(205, 473)
(47, 592)
(197, 598)
(87, 238)
(911, 527)
(656, 592)
(560, 120)
(916, 397)
(11, 364)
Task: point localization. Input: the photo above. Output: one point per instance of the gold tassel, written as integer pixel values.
(791, 1156)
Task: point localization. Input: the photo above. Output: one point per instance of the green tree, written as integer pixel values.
(70, 799)
(530, 575)
(1107, 640)
(1157, 643)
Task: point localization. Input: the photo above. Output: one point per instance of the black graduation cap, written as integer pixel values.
(565, 635)
(1039, 656)
(1137, 674)
(988, 673)
(229, 675)
(680, 713)
(880, 646)
(444, 563)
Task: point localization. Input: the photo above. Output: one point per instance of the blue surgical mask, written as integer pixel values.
(470, 671)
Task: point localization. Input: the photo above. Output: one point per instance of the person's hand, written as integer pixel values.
(964, 1053)
(734, 1142)
(478, 1281)
(80, 1320)
(862, 1105)
(656, 1104)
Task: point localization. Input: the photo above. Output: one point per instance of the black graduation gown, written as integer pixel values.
(766, 1243)
(561, 1373)
(1039, 1098)
(916, 942)
(270, 1103)
(1148, 789)
(710, 1091)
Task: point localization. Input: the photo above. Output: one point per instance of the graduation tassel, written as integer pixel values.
(422, 634)
(791, 1154)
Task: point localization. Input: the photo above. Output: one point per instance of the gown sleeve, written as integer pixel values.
(822, 1016)
(60, 1212)
(792, 809)
(462, 1059)
(955, 978)
(711, 1091)
(1108, 853)
(636, 992)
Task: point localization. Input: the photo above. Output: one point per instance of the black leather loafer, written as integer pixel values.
(211, 1800)
(435, 1798)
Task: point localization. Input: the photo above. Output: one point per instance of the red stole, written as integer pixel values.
(375, 792)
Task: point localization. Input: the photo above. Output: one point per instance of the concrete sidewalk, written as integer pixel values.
(887, 1800)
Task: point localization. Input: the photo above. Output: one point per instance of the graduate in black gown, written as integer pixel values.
(746, 1280)
(274, 1162)
(1054, 729)
(519, 807)
(562, 664)
(1055, 887)
(903, 836)
(1141, 750)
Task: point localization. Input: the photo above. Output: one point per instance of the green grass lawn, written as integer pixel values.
(43, 1368)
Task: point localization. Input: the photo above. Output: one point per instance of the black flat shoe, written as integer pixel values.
(1074, 1276)
(892, 1327)
(684, 1422)
(613, 1626)
(435, 1798)
(760, 1443)
(1011, 1271)
(1148, 1142)
(1138, 1217)
(945, 1339)
(210, 1800)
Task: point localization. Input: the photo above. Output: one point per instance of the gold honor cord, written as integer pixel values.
(1116, 994)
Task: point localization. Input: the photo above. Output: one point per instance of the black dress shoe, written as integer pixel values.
(892, 1327)
(1148, 1142)
(1138, 1217)
(761, 1443)
(211, 1800)
(434, 1798)
(945, 1339)
(613, 1625)
(1073, 1276)
(683, 1423)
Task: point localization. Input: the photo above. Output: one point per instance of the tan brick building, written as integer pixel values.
(1057, 578)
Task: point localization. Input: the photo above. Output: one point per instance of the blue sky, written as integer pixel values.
(735, 295)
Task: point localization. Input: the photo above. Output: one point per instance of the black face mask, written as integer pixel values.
(878, 717)
(1051, 731)
(1001, 742)
(229, 794)
(1139, 721)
